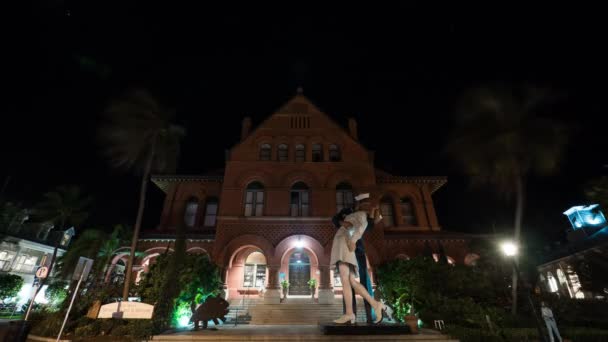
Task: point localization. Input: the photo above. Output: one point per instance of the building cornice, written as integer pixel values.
(163, 181)
(435, 182)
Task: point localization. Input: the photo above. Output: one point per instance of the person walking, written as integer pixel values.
(550, 322)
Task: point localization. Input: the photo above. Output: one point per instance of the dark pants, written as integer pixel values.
(365, 281)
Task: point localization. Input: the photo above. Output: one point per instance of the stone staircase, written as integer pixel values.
(295, 311)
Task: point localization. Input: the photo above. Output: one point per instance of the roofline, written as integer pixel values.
(162, 180)
(437, 181)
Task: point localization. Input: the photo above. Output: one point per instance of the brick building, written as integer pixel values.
(266, 216)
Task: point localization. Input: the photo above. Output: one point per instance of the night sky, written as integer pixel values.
(398, 69)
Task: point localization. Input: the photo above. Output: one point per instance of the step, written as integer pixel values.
(226, 333)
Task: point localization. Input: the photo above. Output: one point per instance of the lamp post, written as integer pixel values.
(510, 250)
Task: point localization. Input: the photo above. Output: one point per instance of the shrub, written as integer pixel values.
(10, 285)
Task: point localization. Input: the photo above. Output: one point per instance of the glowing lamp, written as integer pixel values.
(509, 248)
(299, 243)
(184, 321)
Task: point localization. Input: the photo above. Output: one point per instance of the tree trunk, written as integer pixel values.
(140, 213)
(519, 213)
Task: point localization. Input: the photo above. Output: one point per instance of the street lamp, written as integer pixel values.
(510, 249)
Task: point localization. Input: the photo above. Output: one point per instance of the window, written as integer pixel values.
(386, 208)
(25, 264)
(317, 153)
(211, 212)
(190, 212)
(254, 199)
(282, 156)
(344, 196)
(300, 153)
(5, 260)
(408, 213)
(254, 274)
(552, 282)
(334, 153)
(265, 152)
(299, 200)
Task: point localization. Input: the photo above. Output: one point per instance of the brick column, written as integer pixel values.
(326, 294)
(273, 290)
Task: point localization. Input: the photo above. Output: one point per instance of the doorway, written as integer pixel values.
(299, 274)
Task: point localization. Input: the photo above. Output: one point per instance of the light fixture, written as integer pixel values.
(509, 248)
(299, 242)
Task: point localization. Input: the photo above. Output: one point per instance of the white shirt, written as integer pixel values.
(546, 312)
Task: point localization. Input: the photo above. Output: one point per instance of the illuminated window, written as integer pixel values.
(386, 209)
(344, 196)
(211, 212)
(5, 260)
(255, 270)
(282, 153)
(317, 153)
(190, 212)
(265, 152)
(254, 199)
(25, 263)
(300, 153)
(299, 201)
(563, 282)
(408, 212)
(552, 282)
(334, 153)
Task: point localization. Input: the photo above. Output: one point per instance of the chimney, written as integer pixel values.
(352, 128)
(245, 128)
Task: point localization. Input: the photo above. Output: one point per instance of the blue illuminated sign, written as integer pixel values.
(585, 216)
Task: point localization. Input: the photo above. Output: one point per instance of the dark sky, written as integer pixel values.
(398, 69)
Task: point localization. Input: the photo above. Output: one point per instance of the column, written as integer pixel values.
(224, 282)
(273, 290)
(326, 294)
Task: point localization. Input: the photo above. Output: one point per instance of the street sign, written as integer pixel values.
(42, 272)
(82, 268)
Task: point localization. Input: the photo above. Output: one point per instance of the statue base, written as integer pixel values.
(364, 329)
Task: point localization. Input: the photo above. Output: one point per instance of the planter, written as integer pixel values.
(412, 322)
(313, 293)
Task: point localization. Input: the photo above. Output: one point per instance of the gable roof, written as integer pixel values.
(300, 104)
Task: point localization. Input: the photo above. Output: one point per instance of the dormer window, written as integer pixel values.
(317, 153)
(334, 153)
(300, 153)
(265, 151)
(282, 153)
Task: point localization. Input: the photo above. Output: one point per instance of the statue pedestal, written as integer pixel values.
(326, 296)
(272, 296)
(365, 329)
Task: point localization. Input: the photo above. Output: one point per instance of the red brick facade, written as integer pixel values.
(296, 146)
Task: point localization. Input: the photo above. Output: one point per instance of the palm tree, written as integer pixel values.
(500, 139)
(138, 134)
(65, 205)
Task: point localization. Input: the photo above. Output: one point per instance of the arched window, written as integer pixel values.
(211, 212)
(317, 153)
(190, 212)
(388, 215)
(254, 199)
(300, 153)
(408, 213)
(334, 153)
(265, 151)
(299, 202)
(255, 270)
(282, 153)
(344, 196)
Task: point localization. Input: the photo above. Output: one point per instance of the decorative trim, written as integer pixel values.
(437, 182)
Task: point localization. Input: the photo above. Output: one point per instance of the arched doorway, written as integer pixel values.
(299, 273)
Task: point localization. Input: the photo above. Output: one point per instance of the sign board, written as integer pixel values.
(126, 310)
(82, 268)
(42, 272)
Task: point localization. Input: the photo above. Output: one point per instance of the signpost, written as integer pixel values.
(82, 271)
(41, 273)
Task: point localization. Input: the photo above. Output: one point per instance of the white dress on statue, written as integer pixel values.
(339, 247)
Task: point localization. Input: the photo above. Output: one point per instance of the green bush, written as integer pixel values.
(10, 285)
